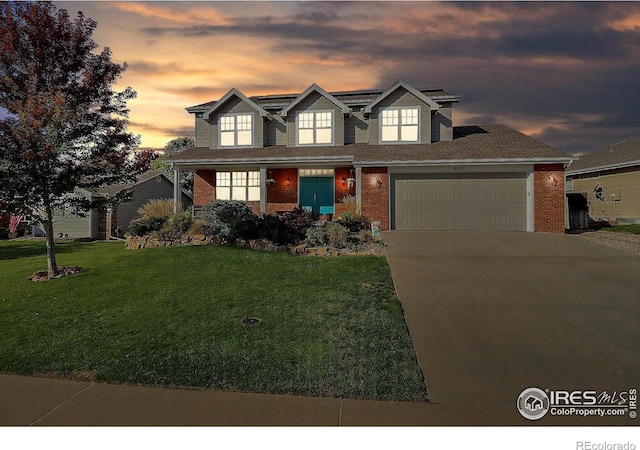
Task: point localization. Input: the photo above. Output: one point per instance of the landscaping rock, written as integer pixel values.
(43, 275)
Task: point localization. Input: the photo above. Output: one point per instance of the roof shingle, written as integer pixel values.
(489, 142)
(623, 153)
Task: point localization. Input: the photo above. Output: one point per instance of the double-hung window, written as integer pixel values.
(236, 130)
(243, 186)
(315, 128)
(399, 125)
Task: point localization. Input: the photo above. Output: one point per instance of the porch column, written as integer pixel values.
(177, 198)
(359, 186)
(263, 189)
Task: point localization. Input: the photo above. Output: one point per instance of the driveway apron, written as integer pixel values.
(494, 313)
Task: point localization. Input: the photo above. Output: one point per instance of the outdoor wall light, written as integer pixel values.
(288, 181)
(344, 181)
(554, 181)
(377, 181)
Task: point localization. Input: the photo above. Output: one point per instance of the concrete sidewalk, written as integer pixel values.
(27, 401)
(45, 401)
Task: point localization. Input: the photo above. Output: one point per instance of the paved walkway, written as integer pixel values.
(494, 313)
(490, 314)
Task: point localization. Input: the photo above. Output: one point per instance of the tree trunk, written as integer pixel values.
(52, 266)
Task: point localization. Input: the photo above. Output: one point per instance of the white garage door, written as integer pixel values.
(460, 202)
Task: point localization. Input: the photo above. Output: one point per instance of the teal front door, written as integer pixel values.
(316, 194)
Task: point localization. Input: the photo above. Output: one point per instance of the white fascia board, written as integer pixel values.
(241, 96)
(295, 160)
(315, 88)
(469, 162)
(401, 83)
(601, 168)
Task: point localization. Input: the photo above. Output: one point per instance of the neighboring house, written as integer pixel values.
(395, 150)
(151, 185)
(609, 178)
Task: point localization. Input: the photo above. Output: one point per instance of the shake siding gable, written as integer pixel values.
(315, 102)
(400, 98)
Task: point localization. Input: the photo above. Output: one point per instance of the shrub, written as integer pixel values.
(296, 223)
(197, 227)
(272, 227)
(146, 226)
(332, 234)
(177, 224)
(230, 219)
(158, 208)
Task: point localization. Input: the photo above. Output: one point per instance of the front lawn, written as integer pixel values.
(174, 316)
(631, 228)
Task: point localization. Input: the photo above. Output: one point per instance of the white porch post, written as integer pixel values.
(263, 189)
(359, 186)
(177, 198)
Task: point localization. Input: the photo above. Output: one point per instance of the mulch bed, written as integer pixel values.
(43, 275)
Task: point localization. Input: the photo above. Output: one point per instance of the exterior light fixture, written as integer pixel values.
(344, 181)
(553, 180)
(288, 181)
(377, 181)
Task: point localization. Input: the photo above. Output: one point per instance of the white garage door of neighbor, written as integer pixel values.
(460, 202)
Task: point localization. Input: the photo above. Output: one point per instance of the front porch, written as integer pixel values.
(273, 190)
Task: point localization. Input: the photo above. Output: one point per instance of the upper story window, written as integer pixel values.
(400, 125)
(236, 130)
(315, 127)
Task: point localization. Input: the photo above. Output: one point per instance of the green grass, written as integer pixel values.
(631, 228)
(173, 316)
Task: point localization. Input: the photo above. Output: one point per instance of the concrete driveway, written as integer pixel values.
(494, 313)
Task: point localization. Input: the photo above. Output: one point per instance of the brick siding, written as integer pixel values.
(548, 208)
(375, 196)
(281, 191)
(204, 191)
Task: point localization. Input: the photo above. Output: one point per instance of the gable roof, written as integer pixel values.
(234, 92)
(489, 144)
(274, 103)
(622, 154)
(401, 84)
(111, 190)
(315, 88)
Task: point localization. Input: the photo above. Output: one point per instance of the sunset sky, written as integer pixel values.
(565, 73)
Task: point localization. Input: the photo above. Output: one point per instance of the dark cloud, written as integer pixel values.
(562, 64)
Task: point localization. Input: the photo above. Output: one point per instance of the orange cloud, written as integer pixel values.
(191, 14)
(629, 23)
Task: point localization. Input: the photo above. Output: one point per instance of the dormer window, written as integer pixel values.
(315, 127)
(236, 130)
(400, 125)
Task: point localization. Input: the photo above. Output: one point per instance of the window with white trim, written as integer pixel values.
(244, 186)
(315, 127)
(400, 125)
(236, 130)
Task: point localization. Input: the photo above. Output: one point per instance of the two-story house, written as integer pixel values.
(395, 150)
